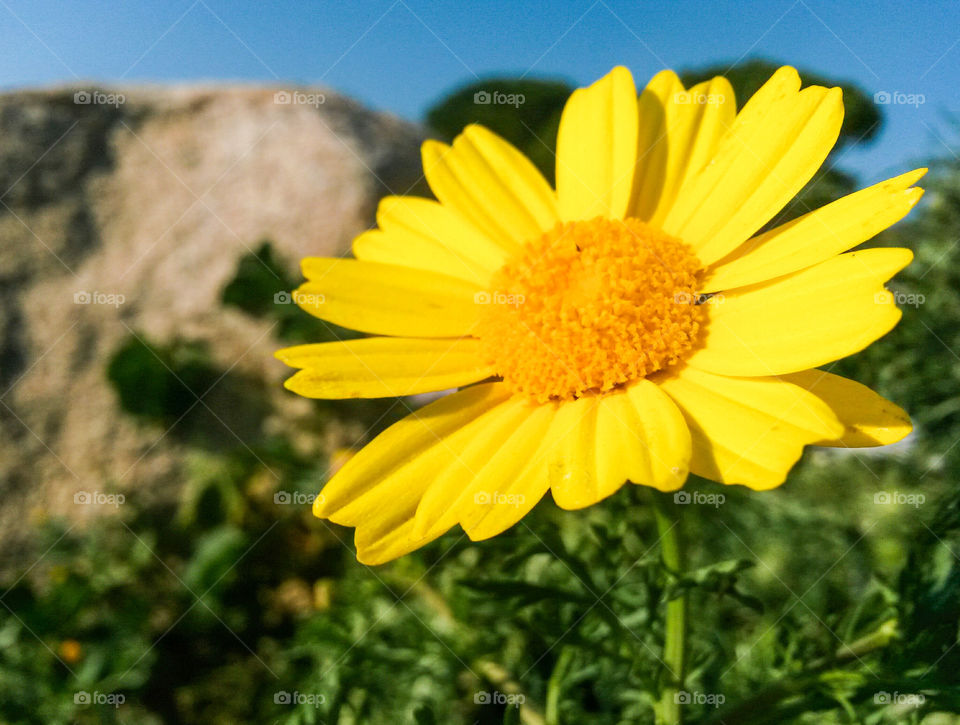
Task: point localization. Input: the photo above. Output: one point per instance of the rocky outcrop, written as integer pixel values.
(126, 210)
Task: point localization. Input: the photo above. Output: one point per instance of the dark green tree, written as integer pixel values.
(530, 125)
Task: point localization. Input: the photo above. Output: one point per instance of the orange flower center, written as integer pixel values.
(590, 306)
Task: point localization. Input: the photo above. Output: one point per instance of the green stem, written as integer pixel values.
(668, 709)
(555, 684)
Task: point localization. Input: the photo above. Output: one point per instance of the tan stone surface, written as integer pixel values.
(156, 200)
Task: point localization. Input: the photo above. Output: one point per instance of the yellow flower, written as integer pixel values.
(629, 326)
(70, 651)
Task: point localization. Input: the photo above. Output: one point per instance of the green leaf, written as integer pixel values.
(720, 578)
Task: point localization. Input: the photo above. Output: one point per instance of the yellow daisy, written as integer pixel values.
(630, 325)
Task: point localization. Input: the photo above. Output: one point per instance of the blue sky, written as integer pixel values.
(400, 55)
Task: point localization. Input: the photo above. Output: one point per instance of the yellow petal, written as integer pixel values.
(818, 235)
(384, 299)
(492, 185)
(692, 124)
(379, 367)
(598, 443)
(652, 143)
(387, 538)
(775, 145)
(572, 456)
(802, 320)
(653, 440)
(421, 233)
(399, 453)
(868, 419)
(418, 252)
(597, 148)
(511, 482)
(455, 488)
(379, 489)
(748, 430)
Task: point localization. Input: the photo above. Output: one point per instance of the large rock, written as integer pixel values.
(152, 195)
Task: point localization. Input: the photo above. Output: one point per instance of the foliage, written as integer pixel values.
(159, 383)
(263, 287)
